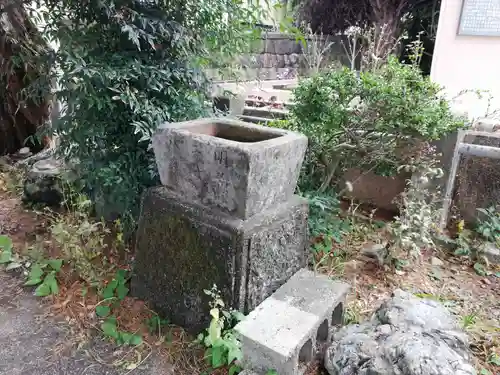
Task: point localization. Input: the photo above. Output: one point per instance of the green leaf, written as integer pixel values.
(233, 370)
(125, 337)
(33, 282)
(234, 354)
(5, 257)
(480, 270)
(494, 359)
(484, 372)
(55, 264)
(5, 243)
(51, 281)
(43, 290)
(109, 291)
(217, 360)
(136, 340)
(102, 311)
(121, 291)
(272, 372)
(109, 328)
(36, 272)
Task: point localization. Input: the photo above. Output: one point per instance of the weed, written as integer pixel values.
(494, 359)
(469, 320)
(489, 227)
(112, 294)
(223, 348)
(42, 273)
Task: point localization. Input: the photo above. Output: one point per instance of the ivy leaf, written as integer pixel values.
(102, 311)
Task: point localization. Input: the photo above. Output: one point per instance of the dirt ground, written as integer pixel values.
(42, 333)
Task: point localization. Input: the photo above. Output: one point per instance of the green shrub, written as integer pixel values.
(376, 121)
(128, 66)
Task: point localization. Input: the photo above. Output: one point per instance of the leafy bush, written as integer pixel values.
(126, 67)
(376, 121)
(489, 226)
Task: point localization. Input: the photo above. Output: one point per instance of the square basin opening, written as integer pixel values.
(234, 132)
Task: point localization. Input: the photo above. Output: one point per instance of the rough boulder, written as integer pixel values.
(405, 336)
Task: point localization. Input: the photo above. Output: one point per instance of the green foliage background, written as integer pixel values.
(124, 68)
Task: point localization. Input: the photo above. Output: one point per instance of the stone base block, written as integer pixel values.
(286, 330)
(183, 249)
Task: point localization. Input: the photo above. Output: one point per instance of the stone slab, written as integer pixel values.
(183, 248)
(229, 165)
(284, 332)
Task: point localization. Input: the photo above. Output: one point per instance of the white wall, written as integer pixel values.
(465, 62)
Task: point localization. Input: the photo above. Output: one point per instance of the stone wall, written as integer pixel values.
(279, 56)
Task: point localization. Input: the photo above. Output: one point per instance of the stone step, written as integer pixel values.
(286, 330)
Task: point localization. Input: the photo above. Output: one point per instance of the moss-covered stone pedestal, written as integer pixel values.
(184, 248)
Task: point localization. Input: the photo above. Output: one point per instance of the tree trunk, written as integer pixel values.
(24, 107)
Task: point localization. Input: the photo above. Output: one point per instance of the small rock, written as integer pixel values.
(486, 281)
(43, 183)
(436, 262)
(24, 152)
(377, 252)
(491, 252)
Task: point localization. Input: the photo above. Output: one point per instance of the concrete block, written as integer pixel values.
(232, 166)
(183, 248)
(286, 330)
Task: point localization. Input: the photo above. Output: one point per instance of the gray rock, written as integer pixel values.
(24, 152)
(406, 336)
(43, 182)
(376, 252)
(436, 262)
(491, 252)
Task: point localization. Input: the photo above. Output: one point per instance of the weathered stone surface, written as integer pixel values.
(288, 329)
(491, 252)
(406, 336)
(234, 167)
(184, 248)
(380, 191)
(43, 182)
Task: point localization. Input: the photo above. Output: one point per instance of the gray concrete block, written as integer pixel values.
(286, 330)
(184, 248)
(235, 167)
